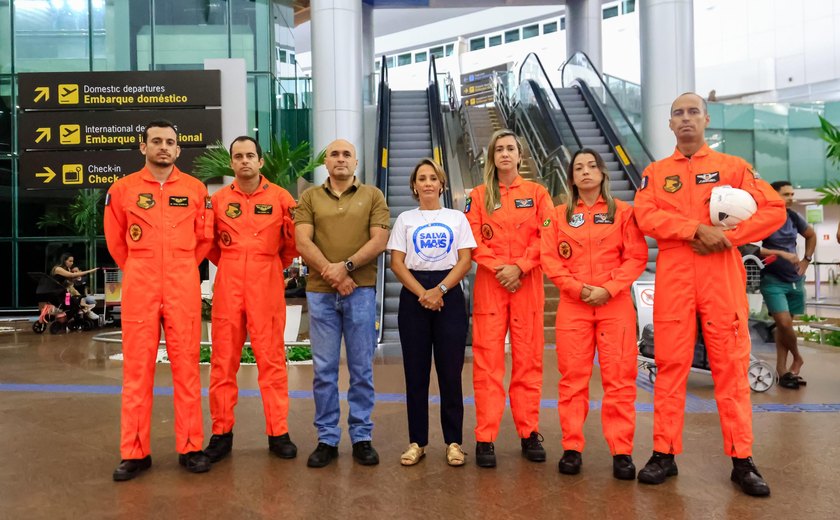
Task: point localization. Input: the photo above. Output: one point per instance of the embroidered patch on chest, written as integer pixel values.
(672, 184)
(576, 220)
(707, 178)
(145, 200)
(524, 203)
(487, 231)
(178, 201)
(233, 210)
(263, 209)
(565, 250)
(602, 218)
(225, 238)
(135, 232)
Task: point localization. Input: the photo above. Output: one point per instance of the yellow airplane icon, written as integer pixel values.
(68, 94)
(69, 134)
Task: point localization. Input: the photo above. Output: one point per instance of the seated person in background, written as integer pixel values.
(295, 284)
(79, 288)
(66, 274)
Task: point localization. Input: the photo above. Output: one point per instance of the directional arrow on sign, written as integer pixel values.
(43, 133)
(43, 93)
(48, 174)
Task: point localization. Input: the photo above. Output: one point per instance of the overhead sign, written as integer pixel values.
(113, 129)
(144, 89)
(69, 170)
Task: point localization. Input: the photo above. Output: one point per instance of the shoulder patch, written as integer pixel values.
(467, 205)
(644, 183)
(547, 222)
(755, 173)
(107, 199)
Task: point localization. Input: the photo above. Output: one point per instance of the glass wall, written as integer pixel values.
(781, 140)
(118, 35)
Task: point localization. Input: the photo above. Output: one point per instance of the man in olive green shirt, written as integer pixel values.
(341, 227)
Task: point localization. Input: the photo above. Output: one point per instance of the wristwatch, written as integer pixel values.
(349, 265)
(444, 289)
(808, 258)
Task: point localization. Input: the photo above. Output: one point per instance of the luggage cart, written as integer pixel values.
(762, 376)
(113, 295)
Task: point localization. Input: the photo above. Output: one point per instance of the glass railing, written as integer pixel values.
(580, 68)
(629, 97)
(781, 140)
(532, 69)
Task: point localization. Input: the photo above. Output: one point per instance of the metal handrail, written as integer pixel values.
(383, 125)
(591, 66)
(541, 76)
(436, 127)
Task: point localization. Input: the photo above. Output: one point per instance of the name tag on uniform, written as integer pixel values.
(263, 209)
(707, 178)
(524, 203)
(181, 202)
(602, 218)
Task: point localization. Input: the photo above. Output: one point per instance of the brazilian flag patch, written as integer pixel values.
(547, 222)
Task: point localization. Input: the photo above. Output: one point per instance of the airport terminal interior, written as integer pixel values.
(403, 80)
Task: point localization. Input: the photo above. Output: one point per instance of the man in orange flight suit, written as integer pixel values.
(254, 239)
(159, 227)
(699, 272)
(593, 257)
(508, 240)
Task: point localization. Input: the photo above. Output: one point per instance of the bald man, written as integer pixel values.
(340, 229)
(699, 273)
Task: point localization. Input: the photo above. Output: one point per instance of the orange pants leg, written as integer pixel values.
(266, 330)
(724, 314)
(675, 333)
(489, 330)
(228, 338)
(527, 343)
(616, 339)
(575, 331)
(141, 336)
(182, 327)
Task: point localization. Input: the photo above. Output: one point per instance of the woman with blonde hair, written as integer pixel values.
(593, 251)
(506, 214)
(430, 254)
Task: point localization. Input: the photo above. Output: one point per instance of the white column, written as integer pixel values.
(368, 53)
(337, 76)
(583, 29)
(666, 29)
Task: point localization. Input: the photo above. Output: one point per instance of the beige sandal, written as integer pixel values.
(412, 455)
(455, 455)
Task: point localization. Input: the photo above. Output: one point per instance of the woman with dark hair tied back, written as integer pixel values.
(430, 254)
(506, 215)
(66, 274)
(593, 251)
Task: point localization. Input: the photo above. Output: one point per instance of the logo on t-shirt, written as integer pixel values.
(433, 241)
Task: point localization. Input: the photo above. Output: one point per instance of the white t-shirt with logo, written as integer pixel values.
(431, 239)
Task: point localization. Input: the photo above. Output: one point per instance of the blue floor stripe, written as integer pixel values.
(693, 404)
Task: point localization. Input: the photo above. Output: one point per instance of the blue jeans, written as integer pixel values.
(331, 316)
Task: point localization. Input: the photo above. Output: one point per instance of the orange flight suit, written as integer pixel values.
(511, 235)
(670, 205)
(601, 252)
(158, 234)
(254, 239)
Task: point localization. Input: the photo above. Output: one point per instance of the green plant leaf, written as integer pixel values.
(213, 164)
(831, 135)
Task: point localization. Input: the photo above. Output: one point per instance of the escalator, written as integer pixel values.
(409, 128)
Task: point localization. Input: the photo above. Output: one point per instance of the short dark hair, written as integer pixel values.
(242, 138)
(159, 123)
(778, 185)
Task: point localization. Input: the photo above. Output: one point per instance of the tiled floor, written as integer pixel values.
(59, 427)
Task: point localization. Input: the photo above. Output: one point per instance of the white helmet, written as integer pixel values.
(729, 206)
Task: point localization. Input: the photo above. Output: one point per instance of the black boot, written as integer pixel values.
(365, 454)
(282, 446)
(195, 461)
(746, 475)
(130, 468)
(658, 468)
(323, 455)
(623, 467)
(571, 462)
(219, 446)
(532, 448)
(485, 454)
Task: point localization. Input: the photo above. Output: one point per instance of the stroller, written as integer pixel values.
(59, 310)
(762, 376)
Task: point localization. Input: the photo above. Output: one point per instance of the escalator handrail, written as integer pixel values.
(553, 93)
(436, 127)
(383, 128)
(609, 93)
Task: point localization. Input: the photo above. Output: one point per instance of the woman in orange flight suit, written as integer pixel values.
(593, 250)
(506, 215)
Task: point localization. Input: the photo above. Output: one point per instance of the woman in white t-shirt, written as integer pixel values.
(430, 254)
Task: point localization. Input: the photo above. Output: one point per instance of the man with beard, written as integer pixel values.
(159, 227)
